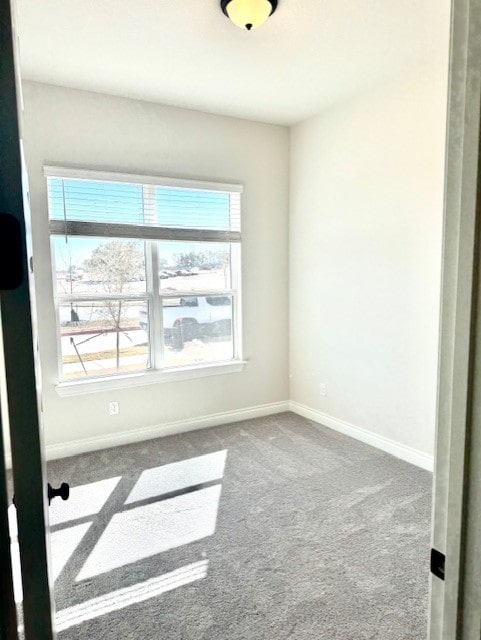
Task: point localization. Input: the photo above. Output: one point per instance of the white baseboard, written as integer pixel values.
(402, 451)
(67, 449)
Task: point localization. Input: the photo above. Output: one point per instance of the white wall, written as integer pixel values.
(366, 207)
(69, 127)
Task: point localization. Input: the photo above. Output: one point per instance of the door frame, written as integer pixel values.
(20, 378)
(459, 378)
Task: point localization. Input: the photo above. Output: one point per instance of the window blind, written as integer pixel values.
(119, 205)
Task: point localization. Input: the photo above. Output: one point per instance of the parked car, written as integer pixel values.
(192, 317)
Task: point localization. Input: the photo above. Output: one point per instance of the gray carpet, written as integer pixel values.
(315, 536)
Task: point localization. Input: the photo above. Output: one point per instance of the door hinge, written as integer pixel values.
(438, 563)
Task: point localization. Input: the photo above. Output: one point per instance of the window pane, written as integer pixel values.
(101, 338)
(193, 208)
(92, 201)
(99, 266)
(194, 266)
(197, 329)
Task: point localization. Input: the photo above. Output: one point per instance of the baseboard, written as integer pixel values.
(402, 451)
(67, 449)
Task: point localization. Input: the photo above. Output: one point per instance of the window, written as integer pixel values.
(146, 272)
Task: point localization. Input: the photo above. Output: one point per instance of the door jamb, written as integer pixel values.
(458, 378)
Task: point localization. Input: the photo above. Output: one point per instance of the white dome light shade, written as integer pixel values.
(248, 14)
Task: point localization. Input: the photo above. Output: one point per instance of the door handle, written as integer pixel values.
(62, 492)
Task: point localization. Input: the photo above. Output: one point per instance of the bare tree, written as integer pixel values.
(114, 264)
(189, 260)
(64, 254)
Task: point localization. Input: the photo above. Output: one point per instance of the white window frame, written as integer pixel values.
(154, 295)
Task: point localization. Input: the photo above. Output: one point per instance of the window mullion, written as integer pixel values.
(237, 299)
(155, 308)
(157, 321)
(88, 297)
(193, 293)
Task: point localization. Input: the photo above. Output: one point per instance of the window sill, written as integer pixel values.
(94, 385)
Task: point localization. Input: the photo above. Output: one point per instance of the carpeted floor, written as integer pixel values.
(266, 529)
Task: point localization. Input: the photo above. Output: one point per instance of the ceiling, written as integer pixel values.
(309, 54)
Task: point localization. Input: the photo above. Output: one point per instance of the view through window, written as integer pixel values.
(146, 276)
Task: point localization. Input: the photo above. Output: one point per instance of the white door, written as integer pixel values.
(20, 385)
(455, 591)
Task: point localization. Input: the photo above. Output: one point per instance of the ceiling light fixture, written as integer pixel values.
(248, 14)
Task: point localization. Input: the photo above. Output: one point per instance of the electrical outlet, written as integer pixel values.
(323, 389)
(113, 408)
